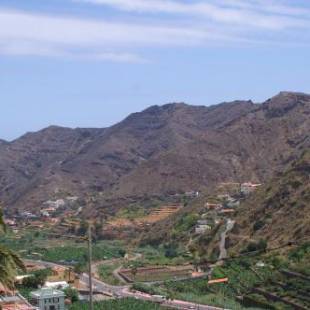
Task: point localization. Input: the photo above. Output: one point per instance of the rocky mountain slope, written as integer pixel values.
(279, 211)
(162, 150)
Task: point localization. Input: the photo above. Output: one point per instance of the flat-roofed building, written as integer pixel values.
(48, 299)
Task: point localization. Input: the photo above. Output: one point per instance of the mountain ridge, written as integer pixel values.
(163, 149)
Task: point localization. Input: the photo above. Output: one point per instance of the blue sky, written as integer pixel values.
(89, 63)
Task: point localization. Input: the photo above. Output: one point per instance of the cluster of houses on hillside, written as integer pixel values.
(222, 206)
(242, 188)
(50, 212)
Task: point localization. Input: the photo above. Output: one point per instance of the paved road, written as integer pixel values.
(229, 226)
(124, 291)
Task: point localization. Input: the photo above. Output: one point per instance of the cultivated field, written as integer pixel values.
(153, 274)
(154, 216)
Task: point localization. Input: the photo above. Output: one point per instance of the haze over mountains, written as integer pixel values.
(161, 150)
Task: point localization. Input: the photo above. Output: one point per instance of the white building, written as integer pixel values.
(200, 229)
(247, 188)
(48, 299)
(57, 285)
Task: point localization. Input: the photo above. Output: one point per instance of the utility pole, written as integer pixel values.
(90, 277)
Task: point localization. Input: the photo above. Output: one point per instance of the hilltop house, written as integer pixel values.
(56, 204)
(247, 188)
(27, 215)
(232, 203)
(10, 222)
(213, 206)
(191, 194)
(227, 211)
(46, 212)
(202, 226)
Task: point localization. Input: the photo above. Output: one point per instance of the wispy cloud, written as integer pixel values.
(201, 23)
(256, 13)
(43, 49)
(42, 35)
(24, 33)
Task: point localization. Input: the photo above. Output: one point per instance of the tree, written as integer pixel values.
(72, 294)
(261, 245)
(9, 261)
(171, 250)
(79, 268)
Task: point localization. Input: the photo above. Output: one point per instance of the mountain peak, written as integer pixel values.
(290, 96)
(284, 102)
(166, 107)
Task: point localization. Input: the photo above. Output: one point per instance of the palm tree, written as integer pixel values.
(9, 261)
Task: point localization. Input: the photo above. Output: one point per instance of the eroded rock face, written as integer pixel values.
(164, 149)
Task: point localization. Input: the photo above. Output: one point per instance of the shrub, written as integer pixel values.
(187, 222)
(299, 253)
(258, 225)
(171, 250)
(72, 294)
(261, 245)
(39, 277)
(146, 289)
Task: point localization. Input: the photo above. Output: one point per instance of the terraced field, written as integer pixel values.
(155, 215)
(290, 289)
(151, 274)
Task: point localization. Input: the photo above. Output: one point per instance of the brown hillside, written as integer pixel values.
(279, 211)
(164, 149)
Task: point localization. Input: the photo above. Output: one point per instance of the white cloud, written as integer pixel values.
(41, 35)
(224, 22)
(24, 33)
(72, 31)
(256, 13)
(33, 48)
(277, 7)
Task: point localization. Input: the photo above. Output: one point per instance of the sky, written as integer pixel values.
(90, 63)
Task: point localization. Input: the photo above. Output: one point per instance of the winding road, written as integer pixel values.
(124, 291)
(223, 252)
